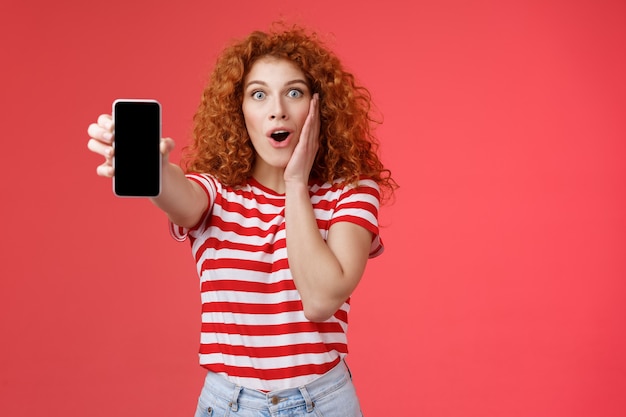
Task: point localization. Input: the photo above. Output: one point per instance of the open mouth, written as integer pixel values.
(280, 135)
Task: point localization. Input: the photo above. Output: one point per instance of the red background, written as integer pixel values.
(502, 290)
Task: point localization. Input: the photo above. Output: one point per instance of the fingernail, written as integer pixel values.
(107, 136)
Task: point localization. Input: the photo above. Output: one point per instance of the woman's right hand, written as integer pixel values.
(101, 142)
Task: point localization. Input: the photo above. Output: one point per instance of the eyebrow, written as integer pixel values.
(296, 81)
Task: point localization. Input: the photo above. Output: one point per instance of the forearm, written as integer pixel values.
(181, 199)
(316, 271)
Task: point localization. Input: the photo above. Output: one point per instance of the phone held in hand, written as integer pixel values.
(137, 157)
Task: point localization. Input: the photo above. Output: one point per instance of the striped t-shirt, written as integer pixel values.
(254, 331)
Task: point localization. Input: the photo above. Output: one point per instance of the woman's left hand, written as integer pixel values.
(303, 157)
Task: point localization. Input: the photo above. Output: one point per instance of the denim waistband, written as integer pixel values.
(292, 397)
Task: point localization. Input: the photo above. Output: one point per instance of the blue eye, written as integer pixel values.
(258, 95)
(295, 93)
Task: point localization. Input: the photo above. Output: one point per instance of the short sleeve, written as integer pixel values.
(359, 204)
(209, 186)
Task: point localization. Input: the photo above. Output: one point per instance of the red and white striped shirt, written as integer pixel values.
(254, 331)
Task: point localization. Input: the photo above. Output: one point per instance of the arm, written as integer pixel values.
(325, 273)
(182, 200)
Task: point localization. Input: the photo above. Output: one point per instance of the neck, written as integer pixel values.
(270, 177)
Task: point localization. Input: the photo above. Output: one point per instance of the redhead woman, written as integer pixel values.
(279, 199)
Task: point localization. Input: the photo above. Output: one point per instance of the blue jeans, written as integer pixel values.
(331, 395)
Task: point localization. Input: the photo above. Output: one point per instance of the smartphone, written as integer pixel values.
(136, 141)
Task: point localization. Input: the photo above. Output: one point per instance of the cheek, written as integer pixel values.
(252, 123)
(302, 115)
(250, 117)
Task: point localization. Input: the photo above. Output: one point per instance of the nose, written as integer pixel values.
(278, 110)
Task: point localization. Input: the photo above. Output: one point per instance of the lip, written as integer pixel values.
(282, 144)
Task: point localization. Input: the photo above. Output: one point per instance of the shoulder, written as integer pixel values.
(206, 181)
(363, 189)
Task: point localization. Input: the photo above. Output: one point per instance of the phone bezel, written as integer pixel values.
(126, 100)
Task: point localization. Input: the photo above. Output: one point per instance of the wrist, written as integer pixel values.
(296, 186)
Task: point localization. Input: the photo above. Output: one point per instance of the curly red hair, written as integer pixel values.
(348, 149)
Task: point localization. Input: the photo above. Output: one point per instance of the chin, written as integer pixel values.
(276, 163)
(278, 160)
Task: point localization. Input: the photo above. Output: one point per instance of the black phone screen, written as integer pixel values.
(137, 158)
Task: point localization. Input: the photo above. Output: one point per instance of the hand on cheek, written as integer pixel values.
(301, 162)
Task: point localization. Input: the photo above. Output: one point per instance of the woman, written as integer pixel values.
(279, 200)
